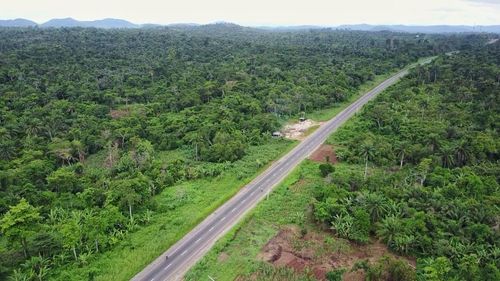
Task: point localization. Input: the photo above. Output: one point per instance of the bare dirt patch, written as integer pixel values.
(323, 153)
(319, 253)
(298, 131)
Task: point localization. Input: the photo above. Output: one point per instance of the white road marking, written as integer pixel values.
(197, 240)
(243, 201)
(212, 228)
(223, 218)
(234, 209)
(182, 254)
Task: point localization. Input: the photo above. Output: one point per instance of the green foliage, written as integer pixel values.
(20, 223)
(64, 180)
(361, 226)
(326, 169)
(95, 123)
(226, 147)
(429, 138)
(355, 227)
(243, 243)
(386, 268)
(437, 269)
(335, 275)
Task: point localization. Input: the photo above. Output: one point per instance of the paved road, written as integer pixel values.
(186, 252)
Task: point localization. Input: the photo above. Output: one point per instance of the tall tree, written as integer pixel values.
(367, 151)
(20, 223)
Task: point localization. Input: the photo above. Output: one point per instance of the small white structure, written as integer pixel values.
(277, 134)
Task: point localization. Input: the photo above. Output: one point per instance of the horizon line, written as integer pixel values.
(252, 25)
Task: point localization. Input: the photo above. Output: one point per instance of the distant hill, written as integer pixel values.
(291, 28)
(394, 28)
(17, 23)
(183, 25)
(104, 23)
(66, 22)
(120, 23)
(423, 29)
(222, 26)
(212, 28)
(113, 23)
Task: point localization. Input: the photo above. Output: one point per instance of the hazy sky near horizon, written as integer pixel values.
(262, 12)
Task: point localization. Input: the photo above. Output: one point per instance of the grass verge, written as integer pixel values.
(286, 205)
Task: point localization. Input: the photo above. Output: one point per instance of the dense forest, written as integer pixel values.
(425, 176)
(71, 95)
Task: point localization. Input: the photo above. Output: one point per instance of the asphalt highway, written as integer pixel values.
(187, 251)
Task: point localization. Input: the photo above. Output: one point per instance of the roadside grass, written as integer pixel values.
(422, 61)
(286, 205)
(179, 209)
(310, 130)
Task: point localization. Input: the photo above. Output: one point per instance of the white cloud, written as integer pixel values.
(257, 12)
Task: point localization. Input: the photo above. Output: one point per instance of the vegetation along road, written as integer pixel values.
(195, 244)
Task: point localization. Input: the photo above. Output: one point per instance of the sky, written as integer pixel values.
(262, 12)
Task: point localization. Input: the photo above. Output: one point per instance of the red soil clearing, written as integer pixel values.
(301, 253)
(322, 153)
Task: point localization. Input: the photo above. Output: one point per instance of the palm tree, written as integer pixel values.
(62, 150)
(389, 228)
(394, 208)
(196, 139)
(367, 152)
(403, 243)
(463, 152)
(401, 151)
(19, 275)
(78, 148)
(447, 156)
(32, 126)
(342, 224)
(375, 204)
(38, 266)
(433, 140)
(423, 169)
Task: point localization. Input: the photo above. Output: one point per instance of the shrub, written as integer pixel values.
(326, 169)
